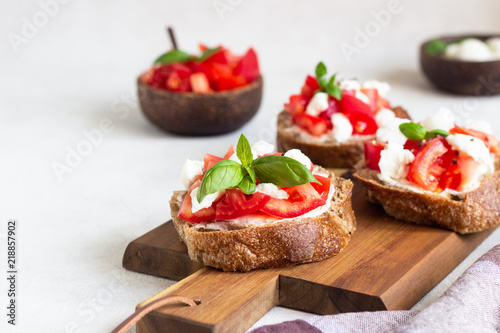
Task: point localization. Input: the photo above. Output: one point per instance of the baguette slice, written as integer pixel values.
(477, 211)
(328, 154)
(274, 244)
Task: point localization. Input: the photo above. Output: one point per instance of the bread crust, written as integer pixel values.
(326, 154)
(477, 211)
(277, 244)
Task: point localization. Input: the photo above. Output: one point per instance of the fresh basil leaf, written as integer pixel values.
(173, 56)
(320, 70)
(435, 47)
(413, 131)
(244, 151)
(281, 171)
(436, 132)
(323, 83)
(333, 90)
(247, 185)
(251, 173)
(222, 175)
(208, 53)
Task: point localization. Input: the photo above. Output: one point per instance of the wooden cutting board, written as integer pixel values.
(388, 265)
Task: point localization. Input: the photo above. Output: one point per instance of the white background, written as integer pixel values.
(79, 67)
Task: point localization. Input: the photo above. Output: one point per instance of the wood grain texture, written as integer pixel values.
(388, 265)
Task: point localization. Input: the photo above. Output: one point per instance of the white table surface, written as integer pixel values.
(79, 68)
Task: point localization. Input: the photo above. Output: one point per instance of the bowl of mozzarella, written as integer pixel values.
(464, 65)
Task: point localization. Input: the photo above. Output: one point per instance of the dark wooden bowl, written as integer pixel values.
(200, 114)
(481, 78)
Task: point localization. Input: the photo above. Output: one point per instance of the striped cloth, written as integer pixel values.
(471, 304)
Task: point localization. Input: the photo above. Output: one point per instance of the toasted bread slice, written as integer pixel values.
(478, 210)
(329, 154)
(276, 243)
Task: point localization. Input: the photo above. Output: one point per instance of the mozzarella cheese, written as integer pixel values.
(383, 88)
(206, 202)
(271, 190)
(297, 155)
(494, 45)
(394, 160)
(342, 128)
(361, 96)
(443, 119)
(318, 104)
(384, 116)
(348, 84)
(390, 132)
(261, 148)
(470, 49)
(191, 169)
(473, 147)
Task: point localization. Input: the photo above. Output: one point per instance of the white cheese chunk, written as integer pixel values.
(348, 84)
(444, 119)
(383, 88)
(384, 116)
(470, 49)
(271, 190)
(260, 148)
(394, 160)
(191, 169)
(206, 202)
(342, 128)
(297, 155)
(318, 104)
(390, 132)
(473, 147)
(494, 45)
(361, 96)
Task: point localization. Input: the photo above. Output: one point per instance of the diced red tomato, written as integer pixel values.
(359, 114)
(235, 203)
(218, 57)
(209, 161)
(314, 125)
(309, 87)
(333, 107)
(459, 174)
(296, 104)
(248, 66)
(323, 189)
(489, 140)
(230, 82)
(382, 103)
(372, 154)
(186, 213)
(199, 83)
(302, 199)
(421, 168)
(414, 146)
(372, 95)
(230, 152)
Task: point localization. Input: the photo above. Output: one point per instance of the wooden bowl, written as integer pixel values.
(473, 78)
(200, 114)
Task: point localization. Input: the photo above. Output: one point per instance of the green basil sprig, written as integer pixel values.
(436, 46)
(178, 56)
(282, 171)
(326, 85)
(417, 132)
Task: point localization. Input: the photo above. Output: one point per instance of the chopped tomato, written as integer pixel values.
(333, 107)
(235, 203)
(489, 140)
(421, 169)
(372, 95)
(230, 152)
(372, 154)
(323, 189)
(248, 66)
(209, 159)
(359, 114)
(218, 57)
(302, 199)
(296, 104)
(314, 125)
(382, 103)
(186, 213)
(199, 83)
(457, 176)
(309, 87)
(414, 146)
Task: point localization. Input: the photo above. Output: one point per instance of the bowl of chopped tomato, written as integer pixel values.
(213, 93)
